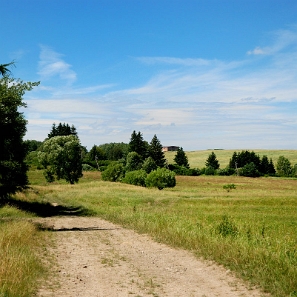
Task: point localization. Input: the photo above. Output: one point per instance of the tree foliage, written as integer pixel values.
(284, 167)
(181, 158)
(114, 151)
(114, 172)
(263, 166)
(61, 158)
(149, 165)
(156, 153)
(62, 130)
(212, 161)
(133, 162)
(161, 178)
(138, 144)
(13, 169)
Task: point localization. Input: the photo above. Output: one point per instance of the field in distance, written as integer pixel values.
(197, 158)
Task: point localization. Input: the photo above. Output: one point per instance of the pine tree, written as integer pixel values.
(138, 145)
(181, 159)
(155, 151)
(62, 130)
(212, 161)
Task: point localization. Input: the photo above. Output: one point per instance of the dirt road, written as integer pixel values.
(97, 258)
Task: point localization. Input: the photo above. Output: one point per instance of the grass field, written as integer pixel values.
(251, 229)
(197, 158)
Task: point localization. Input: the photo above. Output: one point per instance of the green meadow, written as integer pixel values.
(197, 158)
(249, 227)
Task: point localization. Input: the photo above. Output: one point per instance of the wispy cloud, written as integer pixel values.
(195, 103)
(51, 64)
(281, 40)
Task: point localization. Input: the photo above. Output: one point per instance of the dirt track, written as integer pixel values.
(97, 258)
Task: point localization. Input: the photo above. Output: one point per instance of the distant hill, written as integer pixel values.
(197, 158)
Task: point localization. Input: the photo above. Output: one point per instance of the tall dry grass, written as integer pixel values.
(20, 267)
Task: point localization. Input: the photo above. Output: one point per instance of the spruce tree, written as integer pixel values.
(155, 151)
(212, 161)
(181, 159)
(62, 130)
(138, 145)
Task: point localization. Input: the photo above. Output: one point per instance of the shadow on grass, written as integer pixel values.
(47, 209)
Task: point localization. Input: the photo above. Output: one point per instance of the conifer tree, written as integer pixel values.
(181, 159)
(212, 161)
(155, 151)
(138, 145)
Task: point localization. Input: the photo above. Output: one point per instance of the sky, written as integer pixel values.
(199, 74)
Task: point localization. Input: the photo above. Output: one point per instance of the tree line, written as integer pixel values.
(62, 156)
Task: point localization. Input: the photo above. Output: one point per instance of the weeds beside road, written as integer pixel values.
(250, 229)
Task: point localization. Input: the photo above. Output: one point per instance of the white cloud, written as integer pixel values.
(51, 64)
(281, 40)
(195, 103)
(257, 51)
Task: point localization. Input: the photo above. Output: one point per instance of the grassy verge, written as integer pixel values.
(20, 267)
(250, 229)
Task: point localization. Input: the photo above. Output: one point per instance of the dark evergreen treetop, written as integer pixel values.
(181, 159)
(138, 144)
(212, 161)
(62, 130)
(155, 151)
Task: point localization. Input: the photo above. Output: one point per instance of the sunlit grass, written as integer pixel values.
(20, 266)
(197, 158)
(259, 242)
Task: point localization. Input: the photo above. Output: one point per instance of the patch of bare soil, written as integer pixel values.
(97, 258)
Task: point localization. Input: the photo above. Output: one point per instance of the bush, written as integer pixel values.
(209, 171)
(114, 172)
(226, 171)
(182, 170)
(87, 167)
(134, 161)
(249, 170)
(149, 165)
(227, 228)
(161, 178)
(136, 177)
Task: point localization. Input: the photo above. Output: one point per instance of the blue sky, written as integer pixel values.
(199, 74)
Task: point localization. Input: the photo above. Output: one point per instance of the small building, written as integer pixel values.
(170, 148)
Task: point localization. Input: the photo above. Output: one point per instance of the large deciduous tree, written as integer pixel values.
(61, 157)
(13, 169)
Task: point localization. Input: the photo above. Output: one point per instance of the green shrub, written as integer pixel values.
(149, 165)
(87, 167)
(182, 170)
(161, 178)
(226, 171)
(249, 170)
(229, 187)
(133, 161)
(136, 177)
(227, 228)
(209, 171)
(114, 172)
